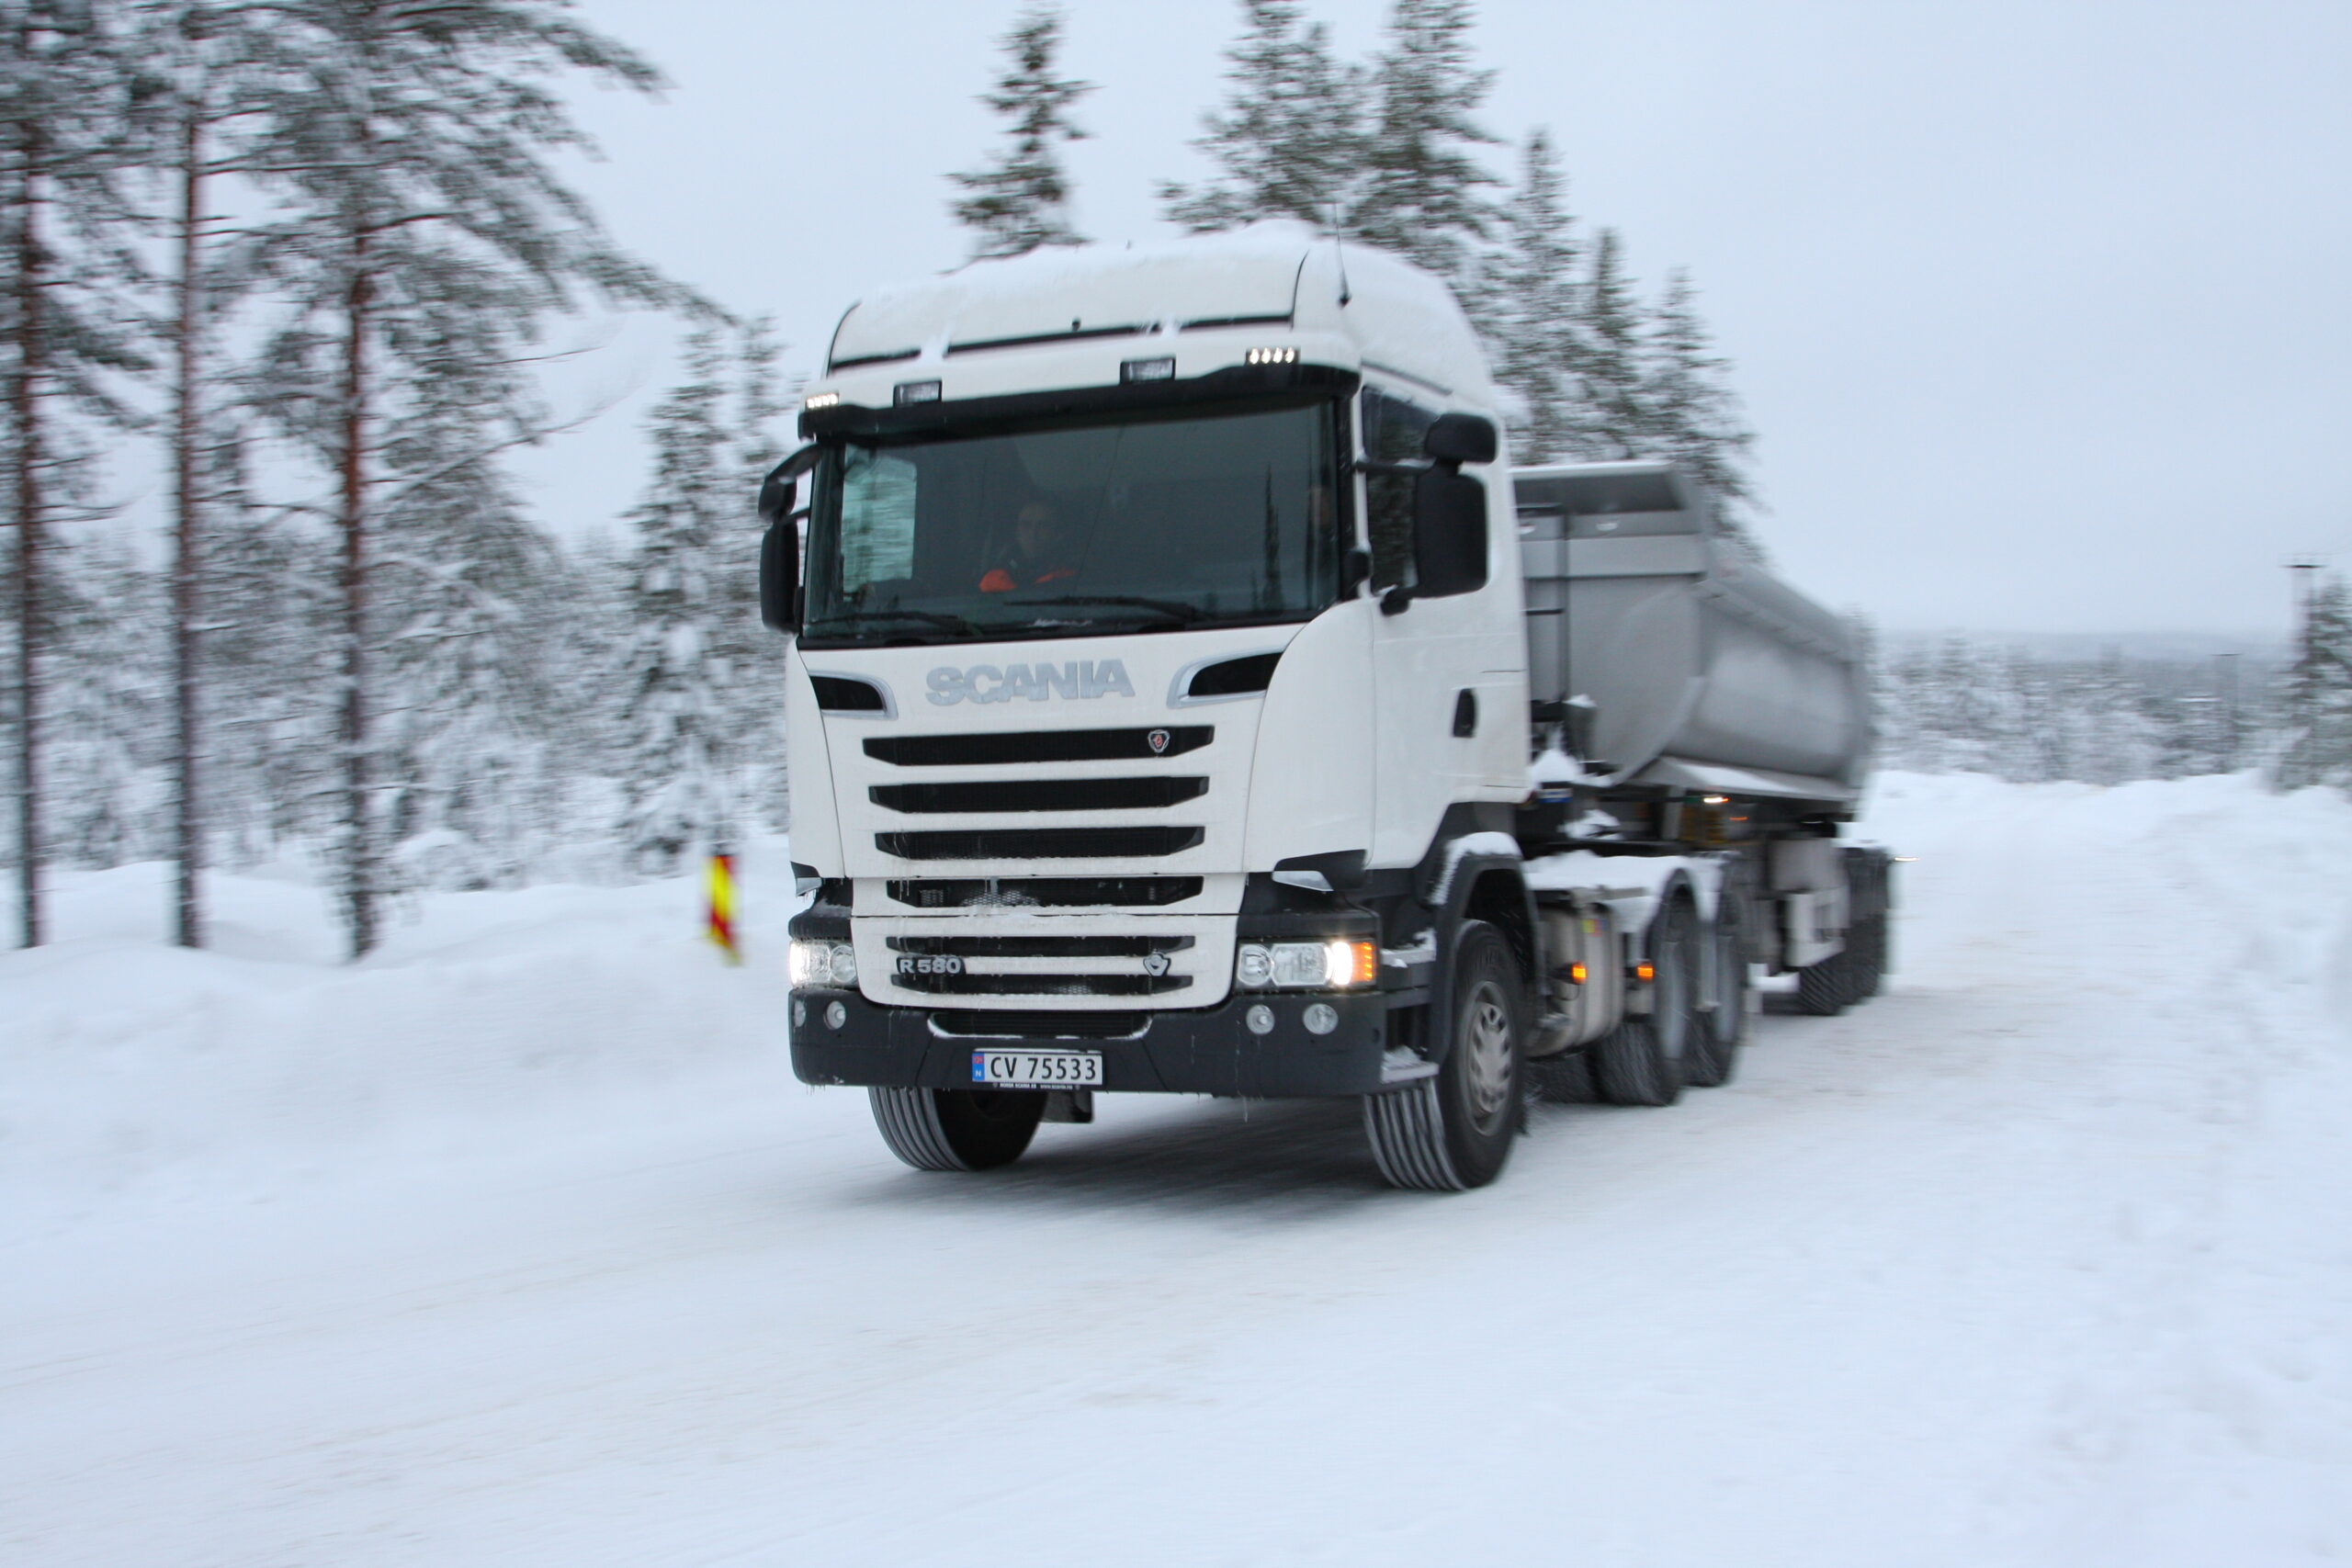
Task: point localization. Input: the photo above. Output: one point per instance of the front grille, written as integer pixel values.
(1047, 795)
(1042, 984)
(1039, 1025)
(1042, 946)
(1044, 892)
(1039, 843)
(990, 748)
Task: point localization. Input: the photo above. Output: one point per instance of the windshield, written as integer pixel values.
(1144, 525)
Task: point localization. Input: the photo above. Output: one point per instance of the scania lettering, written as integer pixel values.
(1184, 696)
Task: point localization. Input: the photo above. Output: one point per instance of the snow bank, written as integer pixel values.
(125, 1057)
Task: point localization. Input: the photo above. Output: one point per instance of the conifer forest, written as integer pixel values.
(304, 258)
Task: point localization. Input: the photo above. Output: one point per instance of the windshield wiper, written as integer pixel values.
(929, 617)
(1174, 608)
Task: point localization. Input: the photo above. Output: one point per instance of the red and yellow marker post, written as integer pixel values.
(721, 928)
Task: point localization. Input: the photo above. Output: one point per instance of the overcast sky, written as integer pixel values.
(2043, 311)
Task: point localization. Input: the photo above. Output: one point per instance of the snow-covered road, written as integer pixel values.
(519, 1245)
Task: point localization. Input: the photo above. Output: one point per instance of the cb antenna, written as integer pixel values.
(1340, 251)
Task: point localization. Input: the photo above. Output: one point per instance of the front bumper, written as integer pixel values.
(1187, 1051)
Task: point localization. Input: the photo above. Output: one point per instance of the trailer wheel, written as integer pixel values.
(957, 1129)
(1642, 1061)
(1824, 989)
(1452, 1130)
(1722, 1028)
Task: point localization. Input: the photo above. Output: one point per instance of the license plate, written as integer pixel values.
(1037, 1070)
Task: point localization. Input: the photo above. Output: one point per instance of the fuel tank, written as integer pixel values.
(1682, 661)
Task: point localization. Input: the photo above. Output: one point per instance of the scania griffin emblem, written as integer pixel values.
(1157, 740)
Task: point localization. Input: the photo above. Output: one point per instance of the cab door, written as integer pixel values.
(1451, 694)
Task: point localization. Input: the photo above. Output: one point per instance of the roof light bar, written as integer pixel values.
(821, 399)
(1271, 356)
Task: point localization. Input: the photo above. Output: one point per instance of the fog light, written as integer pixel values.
(845, 965)
(1260, 1018)
(835, 1015)
(1321, 1017)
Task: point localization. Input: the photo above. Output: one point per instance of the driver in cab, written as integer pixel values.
(1041, 553)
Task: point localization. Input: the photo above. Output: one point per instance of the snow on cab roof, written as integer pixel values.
(1276, 274)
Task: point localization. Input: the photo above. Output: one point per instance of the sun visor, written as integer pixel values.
(1054, 295)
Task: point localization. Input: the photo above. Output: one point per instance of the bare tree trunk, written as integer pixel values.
(359, 842)
(24, 395)
(186, 562)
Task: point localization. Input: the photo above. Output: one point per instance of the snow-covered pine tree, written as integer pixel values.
(1692, 413)
(1527, 309)
(1422, 193)
(1288, 142)
(1617, 421)
(1021, 201)
(2319, 692)
(211, 75)
(418, 206)
(469, 591)
(66, 274)
(699, 727)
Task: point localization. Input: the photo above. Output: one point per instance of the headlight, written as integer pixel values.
(1306, 965)
(822, 962)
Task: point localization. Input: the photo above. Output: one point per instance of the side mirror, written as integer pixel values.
(779, 554)
(1457, 438)
(1449, 531)
(780, 546)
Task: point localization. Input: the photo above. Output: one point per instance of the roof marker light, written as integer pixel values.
(821, 399)
(1271, 356)
(1160, 369)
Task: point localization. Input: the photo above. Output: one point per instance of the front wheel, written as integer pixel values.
(1452, 1130)
(957, 1129)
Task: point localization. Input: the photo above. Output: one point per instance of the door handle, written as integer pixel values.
(1465, 713)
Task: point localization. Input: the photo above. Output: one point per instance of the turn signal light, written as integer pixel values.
(1577, 973)
(1351, 964)
(1646, 972)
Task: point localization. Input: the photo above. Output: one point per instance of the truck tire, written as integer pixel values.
(957, 1129)
(1824, 989)
(1870, 966)
(1643, 1060)
(1714, 1055)
(1452, 1130)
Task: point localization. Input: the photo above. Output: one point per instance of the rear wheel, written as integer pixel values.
(1824, 989)
(1642, 1061)
(1723, 1027)
(957, 1129)
(1452, 1130)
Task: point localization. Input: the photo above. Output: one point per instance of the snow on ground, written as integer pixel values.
(517, 1245)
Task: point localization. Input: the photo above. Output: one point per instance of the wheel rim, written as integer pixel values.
(1487, 1047)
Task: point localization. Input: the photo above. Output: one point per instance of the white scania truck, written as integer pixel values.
(1184, 696)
